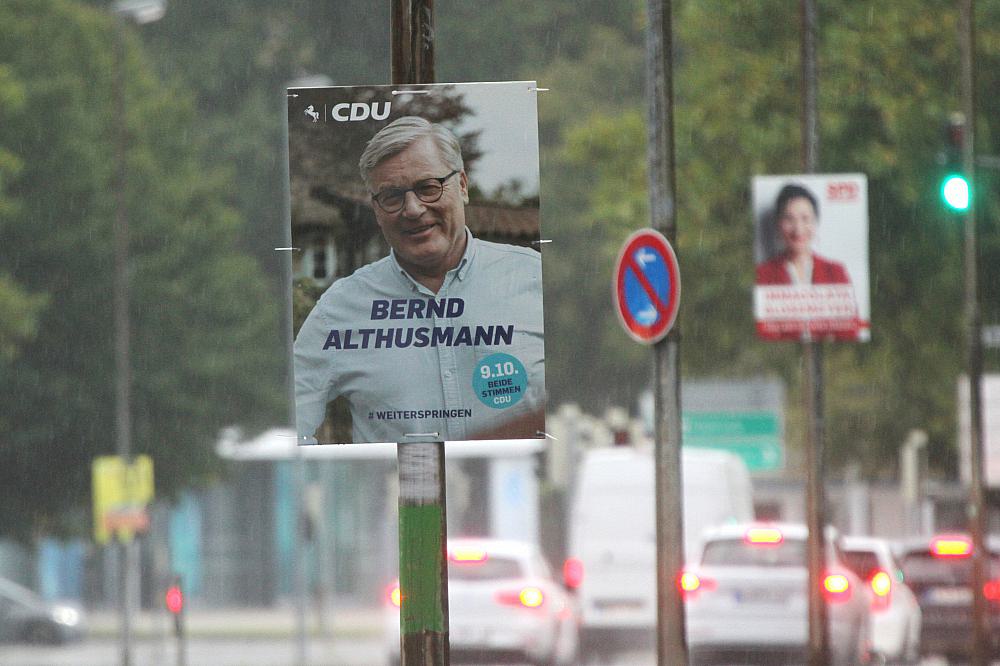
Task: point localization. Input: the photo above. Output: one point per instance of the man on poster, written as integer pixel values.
(443, 337)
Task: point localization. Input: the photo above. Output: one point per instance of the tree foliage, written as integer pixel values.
(207, 174)
(201, 318)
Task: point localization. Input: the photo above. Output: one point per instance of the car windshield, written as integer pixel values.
(923, 567)
(492, 568)
(737, 552)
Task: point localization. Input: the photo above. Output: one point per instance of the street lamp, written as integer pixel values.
(137, 12)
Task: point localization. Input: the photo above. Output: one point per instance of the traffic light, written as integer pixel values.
(956, 191)
(174, 600)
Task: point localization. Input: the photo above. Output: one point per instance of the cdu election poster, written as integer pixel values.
(417, 273)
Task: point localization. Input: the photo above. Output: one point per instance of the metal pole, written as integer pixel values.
(977, 514)
(671, 645)
(123, 379)
(423, 562)
(819, 640)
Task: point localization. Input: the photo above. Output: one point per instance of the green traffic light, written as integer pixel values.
(955, 192)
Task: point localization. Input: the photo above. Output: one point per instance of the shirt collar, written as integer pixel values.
(458, 272)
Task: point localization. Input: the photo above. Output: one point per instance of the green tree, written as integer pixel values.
(19, 310)
(203, 352)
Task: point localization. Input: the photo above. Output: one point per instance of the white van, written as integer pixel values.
(612, 530)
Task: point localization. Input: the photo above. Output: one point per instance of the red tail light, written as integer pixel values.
(691, 584)
(836, 588)
(991, 590)
(881, 584)
(573, 572)
(393, 595)
(952, 545)
(526, 597)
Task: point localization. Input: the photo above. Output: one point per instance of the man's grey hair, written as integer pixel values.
(398, 135)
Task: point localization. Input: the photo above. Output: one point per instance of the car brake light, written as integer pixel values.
(393, 595)
(691, 584)
(951, 546)
(528, 597)
(469, 555)
(837, 588)
(573, 572)
(881, 584)
(991, 590)
(763, 536)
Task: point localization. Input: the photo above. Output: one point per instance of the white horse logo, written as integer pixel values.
(312, 113)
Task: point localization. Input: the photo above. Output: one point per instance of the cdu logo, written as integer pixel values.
(359, 111)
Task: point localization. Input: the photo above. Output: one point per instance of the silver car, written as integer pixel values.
(747, 599)
(27, 618)
(504, 603)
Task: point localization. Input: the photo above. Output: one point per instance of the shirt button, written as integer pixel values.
(447, 373)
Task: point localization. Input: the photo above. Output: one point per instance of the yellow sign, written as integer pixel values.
(121, 493)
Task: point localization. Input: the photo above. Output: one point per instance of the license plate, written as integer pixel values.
(949, 596)
(618, 604)
(762, 595)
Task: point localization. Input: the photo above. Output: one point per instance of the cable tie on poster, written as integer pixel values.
(422, 434)
(545, 435)
(293, 94)
(411, 92)
(539, 242)
(287, 249)
(538, 89)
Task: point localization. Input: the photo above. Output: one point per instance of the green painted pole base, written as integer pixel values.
(423, 560)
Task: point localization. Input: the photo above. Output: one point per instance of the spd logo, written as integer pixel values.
(842, 191)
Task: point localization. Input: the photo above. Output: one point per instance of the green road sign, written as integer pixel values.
(754, 436)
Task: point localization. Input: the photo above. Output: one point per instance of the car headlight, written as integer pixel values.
(66, 615)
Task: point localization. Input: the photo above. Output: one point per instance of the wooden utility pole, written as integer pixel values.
(671, 644)
(974, 349)
(812, 351)
(423, 561)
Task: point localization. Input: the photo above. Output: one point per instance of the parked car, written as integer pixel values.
(504, 603)
(939, 571)
(895, 613)
(747, 599)
(27, 618)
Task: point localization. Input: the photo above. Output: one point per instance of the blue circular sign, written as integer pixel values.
(647, 286)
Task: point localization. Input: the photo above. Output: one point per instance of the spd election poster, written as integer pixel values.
(811, 254)
(417, 290)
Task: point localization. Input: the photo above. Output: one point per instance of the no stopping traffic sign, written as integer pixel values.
(647, 286)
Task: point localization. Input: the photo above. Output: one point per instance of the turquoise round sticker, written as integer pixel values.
(500, 381)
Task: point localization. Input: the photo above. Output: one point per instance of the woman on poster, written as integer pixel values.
(797, 216)
(820, 312)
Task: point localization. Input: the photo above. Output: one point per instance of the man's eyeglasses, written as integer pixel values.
(428, 191)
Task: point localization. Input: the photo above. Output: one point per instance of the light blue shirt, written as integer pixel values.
(411, 362)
